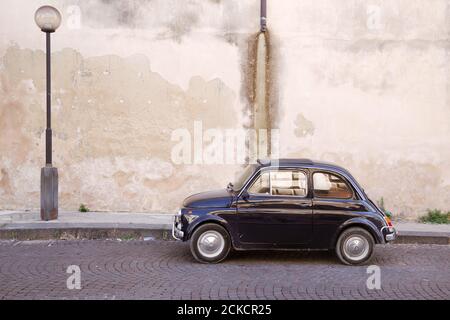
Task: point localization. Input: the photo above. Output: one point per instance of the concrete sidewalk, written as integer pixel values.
(27, 225)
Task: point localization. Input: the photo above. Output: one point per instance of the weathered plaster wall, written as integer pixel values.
(361, 83)
(123, 79)
(366, 84)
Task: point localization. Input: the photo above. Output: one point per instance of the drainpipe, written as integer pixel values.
(263, 15)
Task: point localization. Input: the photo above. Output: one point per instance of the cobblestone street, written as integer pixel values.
(157, 269)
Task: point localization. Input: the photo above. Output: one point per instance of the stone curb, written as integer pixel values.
(148, 232)
(421, 237)
(83, 232)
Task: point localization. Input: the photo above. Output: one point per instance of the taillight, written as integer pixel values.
(388, 221)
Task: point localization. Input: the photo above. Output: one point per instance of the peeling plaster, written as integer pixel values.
(107, 138)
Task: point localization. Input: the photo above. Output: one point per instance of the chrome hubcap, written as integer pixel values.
(210, 244)
(356, 248)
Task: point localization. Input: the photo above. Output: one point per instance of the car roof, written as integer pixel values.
(301, 163)
(308, 163)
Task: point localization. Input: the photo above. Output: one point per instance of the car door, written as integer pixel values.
(334, 202)
(276, 209)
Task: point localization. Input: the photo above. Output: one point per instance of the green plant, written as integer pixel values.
(83, 208)
(435, 216)
(381, 205)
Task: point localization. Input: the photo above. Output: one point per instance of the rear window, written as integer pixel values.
(328, 185)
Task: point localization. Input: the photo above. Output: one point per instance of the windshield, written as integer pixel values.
(240, 181)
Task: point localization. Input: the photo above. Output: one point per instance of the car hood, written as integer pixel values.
(211, 199)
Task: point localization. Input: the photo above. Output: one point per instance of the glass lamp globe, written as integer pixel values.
(47, 18)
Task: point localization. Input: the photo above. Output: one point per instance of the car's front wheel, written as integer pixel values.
(355, 246)
(210, 243)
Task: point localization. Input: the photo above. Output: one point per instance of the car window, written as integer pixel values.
(239, 183)
(261, 184)
(280, 182)
(327, 185)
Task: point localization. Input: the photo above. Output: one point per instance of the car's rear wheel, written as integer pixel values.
(355, 246)
(210, 243)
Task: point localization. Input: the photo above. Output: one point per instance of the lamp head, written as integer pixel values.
(47, 18)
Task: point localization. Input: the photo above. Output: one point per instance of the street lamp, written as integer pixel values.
(48, 20)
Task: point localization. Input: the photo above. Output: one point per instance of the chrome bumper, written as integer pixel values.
(177, 234)
(389, 233)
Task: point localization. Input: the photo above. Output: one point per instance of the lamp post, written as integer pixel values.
(48, 19)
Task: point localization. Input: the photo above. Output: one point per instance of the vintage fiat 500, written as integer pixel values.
(285, 204)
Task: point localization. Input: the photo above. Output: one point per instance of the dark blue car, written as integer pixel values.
(286, 204)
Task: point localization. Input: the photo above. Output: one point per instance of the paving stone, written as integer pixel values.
(160, 269)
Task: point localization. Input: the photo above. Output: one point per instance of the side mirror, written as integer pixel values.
(245, 195)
